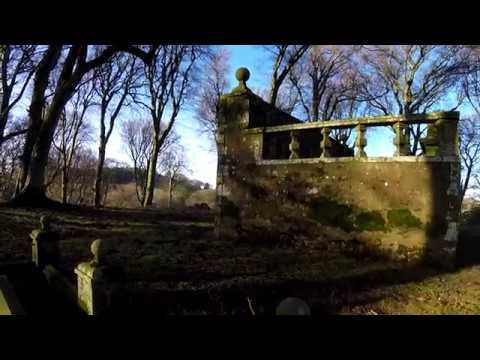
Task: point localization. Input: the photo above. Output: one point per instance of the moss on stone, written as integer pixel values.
(403, 218)
(370, 221)
(332, 213)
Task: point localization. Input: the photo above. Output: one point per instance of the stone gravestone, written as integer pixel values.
(293, 306)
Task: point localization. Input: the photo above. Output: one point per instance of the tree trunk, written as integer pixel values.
(465, 183)
(151, 174)
(170, 191)
(34, 165)
(274, 92)
(99, 175)
(37, 106)
(416, 131)
(64, 184)
(33, 194)
(3, 118)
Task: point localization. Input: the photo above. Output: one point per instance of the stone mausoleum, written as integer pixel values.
(279, 177)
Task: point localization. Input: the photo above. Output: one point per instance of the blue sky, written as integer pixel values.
(199, 150)
(202, 159)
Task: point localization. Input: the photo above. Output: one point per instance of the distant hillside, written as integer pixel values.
(125, 175)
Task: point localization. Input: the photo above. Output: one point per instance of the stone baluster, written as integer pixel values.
(360, 141)
(326, 143)
(401, 139)
(431, 144)
(294, 145)
(44, 244)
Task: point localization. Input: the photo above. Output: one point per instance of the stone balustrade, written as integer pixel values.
(279, 175)
(440, 140)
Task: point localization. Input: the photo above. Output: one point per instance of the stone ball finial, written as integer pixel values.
(45, 221)
(97, 250)
(293, 306)
(242, 74)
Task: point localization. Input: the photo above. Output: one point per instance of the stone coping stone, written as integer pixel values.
(358, 159)
(9, 304)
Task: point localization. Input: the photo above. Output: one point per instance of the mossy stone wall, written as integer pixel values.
(398, 206)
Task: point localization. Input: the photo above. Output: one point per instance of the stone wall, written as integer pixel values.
(401, 207)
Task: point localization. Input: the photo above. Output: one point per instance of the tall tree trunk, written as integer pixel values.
(99, 175)
(4, 113)
(36, 109)
(315, 109)
(274, 92)
(415, 130)
(465, 183)
(151, 174)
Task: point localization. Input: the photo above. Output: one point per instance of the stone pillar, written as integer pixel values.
(442, 137)
(94, 287)
(360, 141)
(451, 149)
(44, 244)
(448, 135)
(232, 117)
(442, 141)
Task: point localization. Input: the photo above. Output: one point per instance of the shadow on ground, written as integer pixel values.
(230, 294)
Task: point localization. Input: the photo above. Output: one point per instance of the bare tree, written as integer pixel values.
(284, 59)
(325, 78)
(109, 165)
(73, 63)
(214, 83)
(168, 83)
(173, 164)
(73, 133)
(469, 132)
(10, 151)
(469, 128)
(17, 66)
(83, 172)
(137, 136)
(113, 84)
(417, 77)
(471, 82)
(328, 85)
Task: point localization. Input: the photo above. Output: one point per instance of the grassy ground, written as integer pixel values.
(172, 258)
